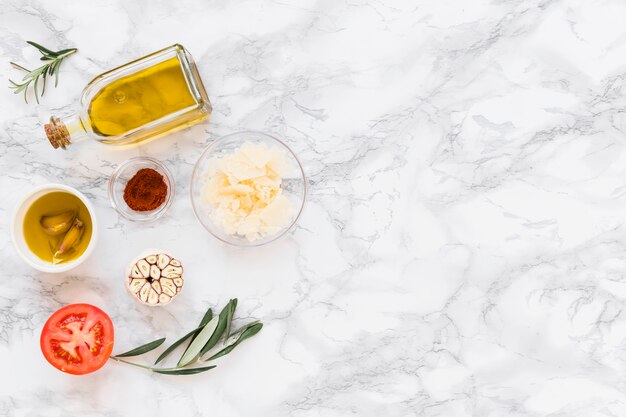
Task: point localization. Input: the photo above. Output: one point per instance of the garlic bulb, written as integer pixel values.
(155, 279)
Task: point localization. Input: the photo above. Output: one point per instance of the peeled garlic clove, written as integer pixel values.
(155, 279)
(58, 223)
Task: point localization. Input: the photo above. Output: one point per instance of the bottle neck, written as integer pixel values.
(62, 133)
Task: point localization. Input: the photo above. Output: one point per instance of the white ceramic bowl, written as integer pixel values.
(18, 237)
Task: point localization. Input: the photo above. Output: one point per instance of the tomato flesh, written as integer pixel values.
(77, 339)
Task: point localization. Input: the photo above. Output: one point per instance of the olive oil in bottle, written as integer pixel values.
(137, 101)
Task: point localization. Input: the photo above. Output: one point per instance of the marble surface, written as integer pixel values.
(462, 248)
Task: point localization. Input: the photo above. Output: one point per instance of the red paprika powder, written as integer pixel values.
(146, 190)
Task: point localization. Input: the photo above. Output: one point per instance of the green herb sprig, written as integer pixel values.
(202, 339)
(49, 69)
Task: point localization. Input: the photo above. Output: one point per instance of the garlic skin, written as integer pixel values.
(154, 278)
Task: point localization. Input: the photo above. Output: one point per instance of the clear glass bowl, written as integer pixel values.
(294, 185)
(125, 172)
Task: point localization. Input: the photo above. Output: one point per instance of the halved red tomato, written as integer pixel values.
(77, 339)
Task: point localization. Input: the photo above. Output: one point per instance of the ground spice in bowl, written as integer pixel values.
(146, 190)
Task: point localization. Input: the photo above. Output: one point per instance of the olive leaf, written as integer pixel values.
(219, 331)
(187, 371)
(244, 327)
(205, 319)
(230, 312)
(245, 334)
(177, 343)
(142, 349)
(193, 334)
(202, 339)
(194, 348)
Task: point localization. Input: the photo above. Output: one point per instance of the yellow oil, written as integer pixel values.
(41, 243)
(140, 98)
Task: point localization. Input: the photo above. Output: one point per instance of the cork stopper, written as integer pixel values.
(57, 133)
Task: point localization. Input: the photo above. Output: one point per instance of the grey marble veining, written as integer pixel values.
(462, 248)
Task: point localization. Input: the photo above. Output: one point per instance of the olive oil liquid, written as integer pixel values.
(42, 244)
(140, 98)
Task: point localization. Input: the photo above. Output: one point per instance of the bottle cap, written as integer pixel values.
(57, 133)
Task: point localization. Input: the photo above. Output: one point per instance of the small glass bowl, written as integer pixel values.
(294, 185)
(125, 172)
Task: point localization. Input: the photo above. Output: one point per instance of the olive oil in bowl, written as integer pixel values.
(57, 227)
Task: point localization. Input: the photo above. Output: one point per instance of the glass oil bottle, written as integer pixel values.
(143, 99)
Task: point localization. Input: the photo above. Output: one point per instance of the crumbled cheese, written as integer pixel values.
(245, 191)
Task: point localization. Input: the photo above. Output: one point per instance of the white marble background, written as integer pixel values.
(462, 250)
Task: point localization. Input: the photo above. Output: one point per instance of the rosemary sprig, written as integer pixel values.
(203, 339)
(51, 68)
